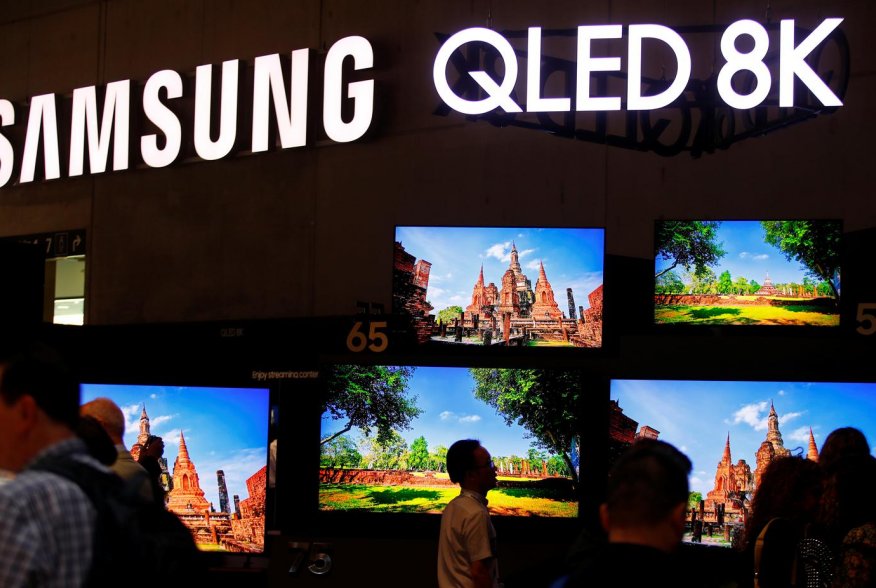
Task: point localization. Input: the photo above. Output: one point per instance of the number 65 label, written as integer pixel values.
(375, 341)
(867, 318)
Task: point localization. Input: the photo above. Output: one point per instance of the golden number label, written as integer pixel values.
(375, 341)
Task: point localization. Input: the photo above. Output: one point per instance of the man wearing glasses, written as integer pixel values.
(467, 543)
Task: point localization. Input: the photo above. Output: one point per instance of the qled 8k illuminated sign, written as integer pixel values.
(214, 135)
(498, 95)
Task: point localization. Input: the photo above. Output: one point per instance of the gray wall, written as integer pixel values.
(309, 231)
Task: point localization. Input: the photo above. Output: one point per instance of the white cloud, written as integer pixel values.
(744, 255)
(788, 417)
(500, 251)
(533, 265)
(522, 253)
(799, 435)
(761, 257)
(460, 418)
(753, 415)
(752, 256)
(781, 392)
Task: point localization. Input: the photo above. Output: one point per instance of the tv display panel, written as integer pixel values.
(386, 429)
(215, 458)
(491, 286)
(729, 429)
(784, 273)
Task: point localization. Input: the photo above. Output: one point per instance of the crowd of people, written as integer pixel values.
(75, 508)
(811, 524)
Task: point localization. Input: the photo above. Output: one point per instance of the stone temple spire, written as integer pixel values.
(726, 457)
(774, 436)
(183, 450)
(812, 454)
(515, 261)
(481, 277)
(144, 427)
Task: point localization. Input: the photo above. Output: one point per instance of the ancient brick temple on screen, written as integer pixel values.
(735, 484)
(516, 309)
(237, 526)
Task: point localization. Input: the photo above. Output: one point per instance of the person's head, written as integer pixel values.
(789, 488)
(39, 402)
(469, 464)
(109, 415)
(647, 495)
(97, 440)
(842, 443)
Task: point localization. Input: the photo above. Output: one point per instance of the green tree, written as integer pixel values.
(391, 453)
(557, 467)
(340, 452)
(438, 459)
(419, 454)
(815, 244)
(693, 500)
(447, 315)
(369, 397)
(704, 283)
(740, 285)
(808, 286)
(542, 401)
(689, 244)
(725, 283)
(753, 286)
(669, 283)
(823, 289)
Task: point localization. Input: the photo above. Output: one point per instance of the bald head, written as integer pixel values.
(108, 414)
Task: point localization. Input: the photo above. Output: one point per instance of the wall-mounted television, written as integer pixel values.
(385, 431)
(500, 286)
(747, 272)
(215, 460)
(732, 429)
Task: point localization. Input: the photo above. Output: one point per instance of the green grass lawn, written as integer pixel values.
(797, 314)
(409, 499)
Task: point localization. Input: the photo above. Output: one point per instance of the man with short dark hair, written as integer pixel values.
(46, 521)
(644, 517)
(467, 543)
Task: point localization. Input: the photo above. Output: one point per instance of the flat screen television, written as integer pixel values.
(747, 272)
(731, 429)
(385, 431)
(215, 458)
(500, 286)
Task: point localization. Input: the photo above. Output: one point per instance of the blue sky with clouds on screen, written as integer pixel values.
(573, 258)
(224, 428)
(696, 416)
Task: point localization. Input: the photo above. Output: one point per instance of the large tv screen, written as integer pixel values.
(215, 460)
(732, 429)
(500, 286)
(386, 429)
(784, 272)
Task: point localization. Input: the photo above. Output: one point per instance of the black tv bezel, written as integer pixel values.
(425, 525)
(757, 330)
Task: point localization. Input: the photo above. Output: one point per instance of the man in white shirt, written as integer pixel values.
(467, 543)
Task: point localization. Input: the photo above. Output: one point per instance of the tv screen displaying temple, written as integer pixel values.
(494, 287)
(784, 273)
(386, 431)
(214, 467)
(731, 430)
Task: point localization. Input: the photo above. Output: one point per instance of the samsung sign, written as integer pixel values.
(792, 66)
(99, 124)
(91, 134)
